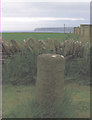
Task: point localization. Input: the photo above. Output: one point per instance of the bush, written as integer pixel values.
(20, 69)
(78, 70)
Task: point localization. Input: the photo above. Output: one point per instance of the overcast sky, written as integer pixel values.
(26, 15)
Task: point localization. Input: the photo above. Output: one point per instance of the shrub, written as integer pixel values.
(78, 70)
(20, 69)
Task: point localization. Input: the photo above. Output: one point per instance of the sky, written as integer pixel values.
(25, 15)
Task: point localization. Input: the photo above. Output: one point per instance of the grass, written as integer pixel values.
(18, 102)
(80, 99)
(15, 96)
(38, 36)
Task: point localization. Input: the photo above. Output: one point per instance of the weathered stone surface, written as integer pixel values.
(50, 79)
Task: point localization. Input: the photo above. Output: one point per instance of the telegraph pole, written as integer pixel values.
(64, 28)
(70, 29)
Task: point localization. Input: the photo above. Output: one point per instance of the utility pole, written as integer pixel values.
(64, 28)
(70, 29)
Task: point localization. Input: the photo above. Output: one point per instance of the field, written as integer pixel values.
(19, 78)
(38, 36)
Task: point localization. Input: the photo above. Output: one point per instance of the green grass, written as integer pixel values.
(80, 99)
(15, 96)
(38, 36)
(18, 101)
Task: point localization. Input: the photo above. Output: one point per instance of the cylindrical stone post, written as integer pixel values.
(50, 79)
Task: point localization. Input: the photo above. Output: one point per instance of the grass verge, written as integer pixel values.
(19, 102)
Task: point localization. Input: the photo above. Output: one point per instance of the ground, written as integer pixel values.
(19, 95)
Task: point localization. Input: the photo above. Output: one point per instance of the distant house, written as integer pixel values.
(77, 30)
(91, 12)
(84, 32)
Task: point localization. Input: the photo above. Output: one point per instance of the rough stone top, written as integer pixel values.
(49, 62)
(51, 56)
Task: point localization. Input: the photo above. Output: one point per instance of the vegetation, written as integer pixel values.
(20, 71)
(24, 57)
(42, 36)
(19, 102)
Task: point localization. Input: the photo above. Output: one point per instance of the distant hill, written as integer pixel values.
(56, 29)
